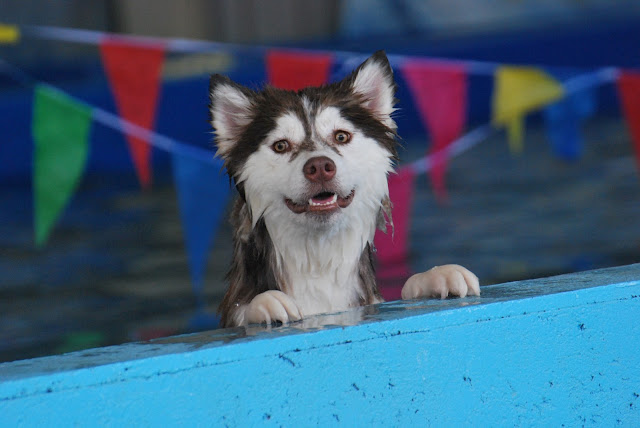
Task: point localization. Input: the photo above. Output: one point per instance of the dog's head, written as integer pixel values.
(312, 158)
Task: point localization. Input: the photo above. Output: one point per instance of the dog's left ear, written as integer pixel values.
(373, 81)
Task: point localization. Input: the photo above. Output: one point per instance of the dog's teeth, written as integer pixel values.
(331, 201)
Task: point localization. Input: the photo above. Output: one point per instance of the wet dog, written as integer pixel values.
(311, 171)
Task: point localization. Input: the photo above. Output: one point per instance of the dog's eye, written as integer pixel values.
(341, 137)
(280, 146)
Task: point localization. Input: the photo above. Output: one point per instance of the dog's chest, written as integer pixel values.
(331, 292)
(321, 272)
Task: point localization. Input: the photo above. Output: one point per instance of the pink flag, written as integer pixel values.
(393, 247)
(629, 92)
(297, 70)
(440, 93)
(134, 75)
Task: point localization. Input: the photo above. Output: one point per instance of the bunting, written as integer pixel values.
(134, 72)
(296, 70)
(60, 130)
(61, 127)
(563, 122)
(9, 34)
(517, 91)
(440, 92)
(203, 194)
(393, 246)
(629, 93)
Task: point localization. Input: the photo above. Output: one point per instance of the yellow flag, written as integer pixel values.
(9, 34)
(517, 91)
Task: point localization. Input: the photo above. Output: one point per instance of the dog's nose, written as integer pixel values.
(319, 169)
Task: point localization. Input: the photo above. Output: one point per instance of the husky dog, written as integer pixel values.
(311, 171)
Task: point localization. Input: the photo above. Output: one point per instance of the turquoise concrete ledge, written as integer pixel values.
(560, 351)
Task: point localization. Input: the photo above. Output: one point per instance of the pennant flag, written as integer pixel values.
(629, 92)
(297, 70)
(517, 91)
(393, 247)
(9, 34)
(60, 129)
(202, 198)
(134, 76)
(563, 120)
(440, 93)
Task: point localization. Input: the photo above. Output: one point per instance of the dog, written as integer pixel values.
(311, 169)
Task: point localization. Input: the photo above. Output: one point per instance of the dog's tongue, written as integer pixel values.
(323, 198)
(323, 201)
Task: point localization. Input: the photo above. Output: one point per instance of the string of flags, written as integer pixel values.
(61, 127)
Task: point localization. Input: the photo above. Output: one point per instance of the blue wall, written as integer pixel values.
(548, 352)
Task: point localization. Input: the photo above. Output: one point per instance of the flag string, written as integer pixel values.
(419, 166)
(184, 45)
(457, 147)
(348, 61)
(113, 121)
(591, 79)
(116, 122)
(188, 174)
(481, 133)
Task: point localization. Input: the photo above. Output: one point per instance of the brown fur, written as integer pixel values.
(254, 268)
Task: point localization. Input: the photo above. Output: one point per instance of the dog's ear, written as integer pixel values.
(373, 81)
(230, 109)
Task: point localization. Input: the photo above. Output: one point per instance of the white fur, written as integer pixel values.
(442, 282)
(231, 113)
(288, 127)
(319, 259)
(376, 86)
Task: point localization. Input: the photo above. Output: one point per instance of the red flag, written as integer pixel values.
(440, 92)
(393, 246)
(134, 76)
(629, 92)
(297, 70)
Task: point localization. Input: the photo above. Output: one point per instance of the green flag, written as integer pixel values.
(60, 132)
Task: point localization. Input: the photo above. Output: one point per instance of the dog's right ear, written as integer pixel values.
(230, 108)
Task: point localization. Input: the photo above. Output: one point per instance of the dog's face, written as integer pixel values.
(315, 158)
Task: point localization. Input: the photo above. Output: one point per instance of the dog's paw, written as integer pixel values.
(271, 306)
(442, 281)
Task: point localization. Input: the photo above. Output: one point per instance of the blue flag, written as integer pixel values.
(564, 120)
(203, 191)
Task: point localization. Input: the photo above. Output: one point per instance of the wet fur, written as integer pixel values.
(255, 267)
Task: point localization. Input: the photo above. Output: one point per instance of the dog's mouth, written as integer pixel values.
(323, 202)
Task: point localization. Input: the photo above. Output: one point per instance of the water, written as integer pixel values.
(115, 269)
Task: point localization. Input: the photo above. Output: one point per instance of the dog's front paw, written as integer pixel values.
(271, 306)
(442, 281)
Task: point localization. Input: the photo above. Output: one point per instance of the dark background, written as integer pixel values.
(115, 268)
